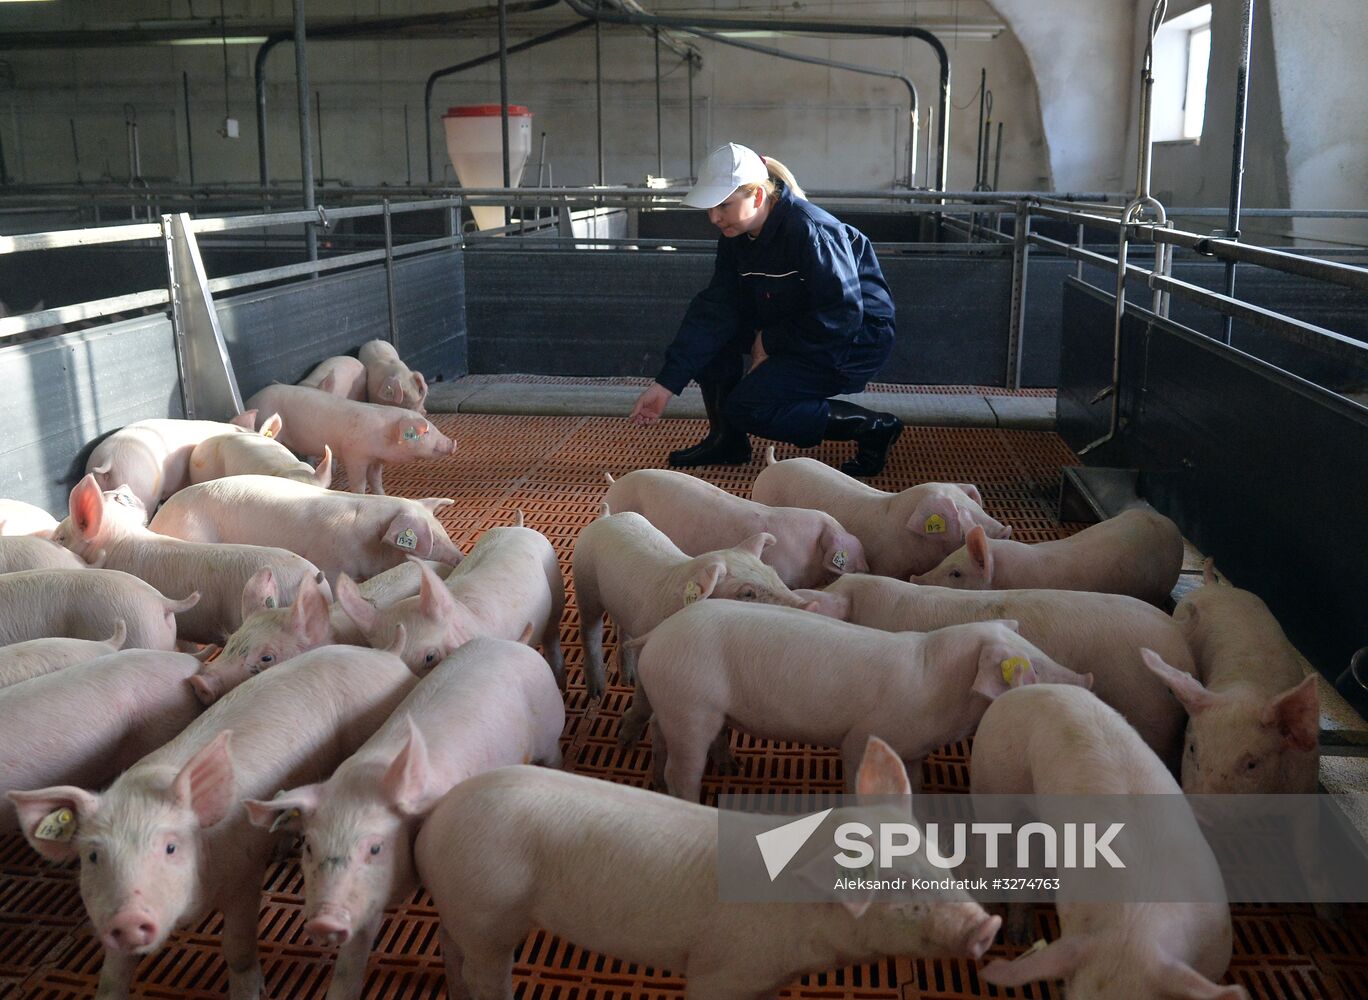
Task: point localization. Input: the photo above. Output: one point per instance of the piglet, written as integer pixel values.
(490, 704)
(364, 436)
(19, 518)
(340, 376)
(169, 841)
(21, 552)
(811, 547)
(86, 724)
(1139, 552)
(87, 604)
(256, 454)
(110, 529)
(38, 657)
(273, 632)
(902, 533)
(625, 566)
(509, 587)
(633, 874)
(1254, 716)
(1051, 740)
(350, 533)
(389, 381)
(152, 457)
(1100, 634)
(784, 674)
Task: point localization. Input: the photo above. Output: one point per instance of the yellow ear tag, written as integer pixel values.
(407, 539)
(59, 825)
(289, 816)
(268, 433)
(839, 558)
(935, 525)
(692, 592)
(1013, 667)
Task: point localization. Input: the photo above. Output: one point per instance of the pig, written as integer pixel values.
(359, 535)
(169, 841)
(87, 604)
(811, 548)
(490, 704)
(19, 518)
(625, 566)
(632, 874)
(1100, 634)
(1052, 740)
(21, 552)
(364, 436)
(91, 721)
(341, 376)
(152, 457)
(256, 454)
(509, 586)
(111, 529)
(1139, 552)
(272, 632)
(389, 381)
(784, 674)
(902, 533)
(38, 657)
(1253, 718)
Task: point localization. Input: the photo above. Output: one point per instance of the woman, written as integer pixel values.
(802, 294)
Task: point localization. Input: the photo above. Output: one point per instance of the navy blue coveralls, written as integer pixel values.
(812, 287)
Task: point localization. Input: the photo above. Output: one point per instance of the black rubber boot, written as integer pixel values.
(873, 434)
(725, 444)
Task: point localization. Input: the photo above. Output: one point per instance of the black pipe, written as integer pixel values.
(978, 132)
(691, 124)
(598, 91)
(660, 141)
(997, 157)
(75, 150)
(488, 57)
(408, 149)
(189, 141)
(586, 10)
(318, 114)
(1238, 153)
(503, 95)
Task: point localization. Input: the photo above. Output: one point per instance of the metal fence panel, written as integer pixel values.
(58, 395)
(430, 303)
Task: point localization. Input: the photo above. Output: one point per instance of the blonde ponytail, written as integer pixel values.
(779, 172)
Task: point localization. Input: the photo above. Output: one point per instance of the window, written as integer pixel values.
(1182, 52)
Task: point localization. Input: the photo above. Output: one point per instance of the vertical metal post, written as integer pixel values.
(408, 149)
(305, 132)
(1016, 324)
(691, 123)
(318, 115)
(189, 139)
(187, 395)
(598, 91)
(978, 137)
(389, 273)
(1079, 272)
(660, 141)
(997, 157)
(503, 98)
(1114, 390)
(930, 127)
(1238, 152)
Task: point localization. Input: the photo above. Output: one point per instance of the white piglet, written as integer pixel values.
(21, 552)
(340, 375)
(20, 518)
(258, 454)
(490, 704)
(389, 381)
(38, 657)
(87, 604)
(152, 457)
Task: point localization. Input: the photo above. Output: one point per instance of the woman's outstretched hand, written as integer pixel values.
(650, 405)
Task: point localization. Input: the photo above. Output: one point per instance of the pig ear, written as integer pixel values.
(704, 581)
(977, 544)
(1180, 981)
(272, 426)
(972, 492)
(1187, 689)
(206, 784)
(309, 615)
(1209, 572)
(400, 640)
(287, 811)
(358, 609)
(935, 516)
(323, 472)
(1001, 668)
(755, 545)
(87, 507)
(1056, 961)
(405, 784)
(389, 389)
(259, 593)
(1296, 714)
(38, 814)
(434, 600)
(247, 419)
(329, 382)
(411, 535)
(881, 771)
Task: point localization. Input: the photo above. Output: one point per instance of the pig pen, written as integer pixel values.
(551, 469)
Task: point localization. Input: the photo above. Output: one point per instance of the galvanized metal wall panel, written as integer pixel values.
(1278, 502)
(58, 395)
(430, 304)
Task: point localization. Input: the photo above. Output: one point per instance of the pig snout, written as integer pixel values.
(964, 929)
(130, 930)
(330, 925)
(207, 688)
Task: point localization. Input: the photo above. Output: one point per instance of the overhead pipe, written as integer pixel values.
(1237, 158)
(834, 64)
(587, 10)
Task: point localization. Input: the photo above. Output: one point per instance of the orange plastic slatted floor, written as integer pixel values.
(552, 470)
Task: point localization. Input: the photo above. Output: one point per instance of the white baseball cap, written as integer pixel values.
(726, 169)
